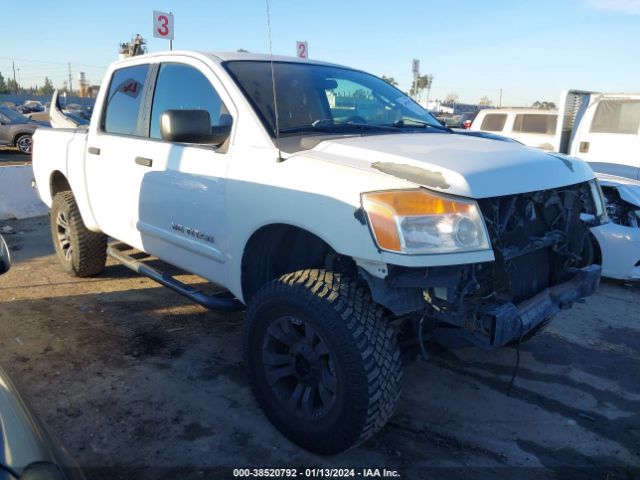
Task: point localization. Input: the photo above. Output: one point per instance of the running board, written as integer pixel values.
(223, 302)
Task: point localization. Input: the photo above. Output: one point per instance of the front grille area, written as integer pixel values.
(537, 238)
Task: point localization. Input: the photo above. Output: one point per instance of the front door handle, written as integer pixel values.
(584, 147)
(145, 162)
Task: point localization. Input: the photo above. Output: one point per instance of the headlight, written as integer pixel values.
(418, 221)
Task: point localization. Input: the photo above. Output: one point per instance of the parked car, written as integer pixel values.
(466, 119)
(349, 239)
(32, 106)
(16, 130)
(533, 127)
(27, 451)
(83, 111)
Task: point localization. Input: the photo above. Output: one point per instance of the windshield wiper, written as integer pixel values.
(329, 126)
(420, 124)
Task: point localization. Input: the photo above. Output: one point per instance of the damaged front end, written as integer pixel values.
(545, 260)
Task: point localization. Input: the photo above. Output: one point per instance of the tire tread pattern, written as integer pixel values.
(377, 348)
(89, 254)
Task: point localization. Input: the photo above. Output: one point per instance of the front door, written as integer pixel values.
(181, 201)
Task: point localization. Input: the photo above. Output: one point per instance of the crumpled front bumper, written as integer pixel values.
(508, 322)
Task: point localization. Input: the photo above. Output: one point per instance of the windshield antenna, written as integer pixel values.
(273, 85)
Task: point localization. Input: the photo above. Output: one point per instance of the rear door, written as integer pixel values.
(113, 148)
(608, 137)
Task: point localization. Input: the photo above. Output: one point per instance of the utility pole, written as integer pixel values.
(500, 102)
(70, 86)
(15, 84)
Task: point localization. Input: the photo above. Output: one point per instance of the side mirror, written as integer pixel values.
(192, 126)
(5, 258)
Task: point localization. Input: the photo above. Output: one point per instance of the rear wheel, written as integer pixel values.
(323, 361)
(81, 252)
(24, 143)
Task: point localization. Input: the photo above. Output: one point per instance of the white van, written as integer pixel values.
(533, 127)
(603, 129)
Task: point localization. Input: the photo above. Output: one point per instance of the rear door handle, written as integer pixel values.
(145, 162)
(94, 150)
(584, 147)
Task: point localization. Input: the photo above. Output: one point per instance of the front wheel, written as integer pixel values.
(81, 252)
(24, 144)
(324, 363)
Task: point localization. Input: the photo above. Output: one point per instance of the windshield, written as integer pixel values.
(326, 99)
(11, 116)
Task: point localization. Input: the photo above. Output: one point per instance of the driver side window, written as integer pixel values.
(183, 87)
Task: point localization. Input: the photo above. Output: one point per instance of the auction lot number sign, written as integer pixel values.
(163, 25)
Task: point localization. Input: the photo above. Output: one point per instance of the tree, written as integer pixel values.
(47, 89)
(242, 50)
(485, 101)
(423, 81)
(451, 98)
(390, 80)
(12, 86)
(543, 105)
(3, 85)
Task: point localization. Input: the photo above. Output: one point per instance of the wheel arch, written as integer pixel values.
(58, 183)
(276, 249)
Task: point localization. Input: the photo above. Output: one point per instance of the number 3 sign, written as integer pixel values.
(163, 25)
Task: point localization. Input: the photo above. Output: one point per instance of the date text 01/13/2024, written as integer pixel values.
(315, 473)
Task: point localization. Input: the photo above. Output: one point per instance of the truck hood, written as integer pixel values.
(455, 164)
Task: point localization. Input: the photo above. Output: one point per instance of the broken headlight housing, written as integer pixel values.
(421, 222)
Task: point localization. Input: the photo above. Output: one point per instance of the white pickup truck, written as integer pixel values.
(353, 228)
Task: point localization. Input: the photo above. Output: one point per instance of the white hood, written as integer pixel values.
(456, 164)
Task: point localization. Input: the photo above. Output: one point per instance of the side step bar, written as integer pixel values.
(223, 302)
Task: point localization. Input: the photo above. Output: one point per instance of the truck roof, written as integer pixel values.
(219, 57)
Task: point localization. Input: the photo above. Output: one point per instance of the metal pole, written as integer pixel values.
(170, 45)
(500, 102)
(15, 84)
(70, 85)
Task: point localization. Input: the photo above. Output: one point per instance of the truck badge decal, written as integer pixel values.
(192, 232)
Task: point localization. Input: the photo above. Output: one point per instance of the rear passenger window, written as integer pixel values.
(617, 116)
(535, 123)
(182, 87)
(494, 122)
(124, 100)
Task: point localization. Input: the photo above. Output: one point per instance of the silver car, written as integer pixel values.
(16, 129)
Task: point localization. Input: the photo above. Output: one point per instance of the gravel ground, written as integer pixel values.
(139, 383)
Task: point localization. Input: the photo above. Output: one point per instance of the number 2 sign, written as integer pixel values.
(163, 25)
(302, 49)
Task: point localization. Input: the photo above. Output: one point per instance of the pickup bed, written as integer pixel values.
(354, 229)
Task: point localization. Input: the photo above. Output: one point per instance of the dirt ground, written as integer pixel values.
(139, 383)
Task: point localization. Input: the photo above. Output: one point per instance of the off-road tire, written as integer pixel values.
(88, 254)
(363, 349)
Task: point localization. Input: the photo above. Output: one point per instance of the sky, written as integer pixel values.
(530, 49)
